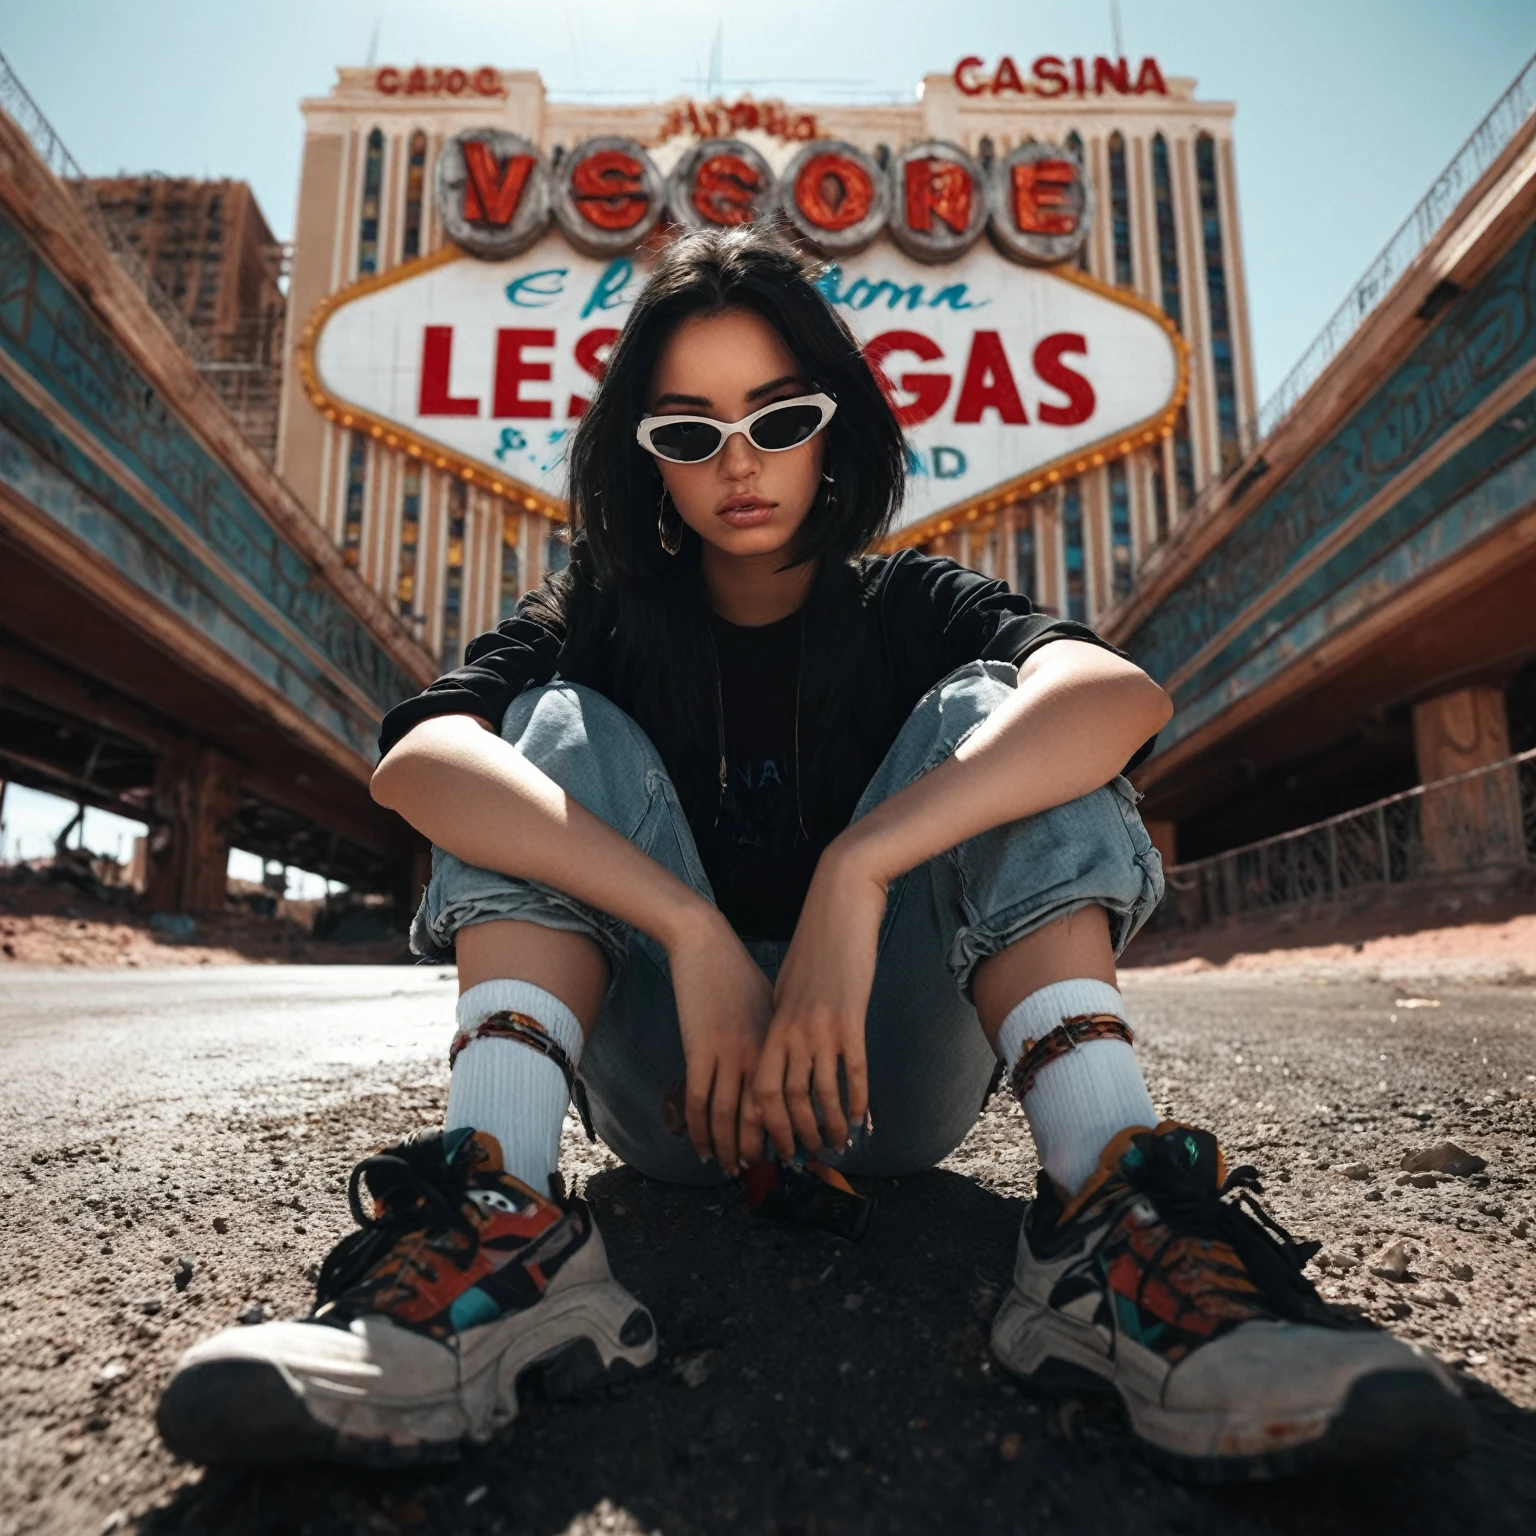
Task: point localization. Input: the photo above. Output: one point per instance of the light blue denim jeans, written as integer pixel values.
(929, 1063)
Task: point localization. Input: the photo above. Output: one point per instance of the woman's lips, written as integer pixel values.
(746, 511)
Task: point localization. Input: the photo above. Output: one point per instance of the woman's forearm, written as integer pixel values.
(1078, 715)
(460, 785)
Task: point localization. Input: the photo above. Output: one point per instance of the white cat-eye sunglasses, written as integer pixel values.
(776, 428)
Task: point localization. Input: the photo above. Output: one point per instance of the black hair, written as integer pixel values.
(634, 618)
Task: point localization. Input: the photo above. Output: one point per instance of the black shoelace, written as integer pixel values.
(1273, 1259)
(413, 1202)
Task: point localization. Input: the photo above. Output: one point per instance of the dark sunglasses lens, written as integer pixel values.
(785, 428)
(686, 442)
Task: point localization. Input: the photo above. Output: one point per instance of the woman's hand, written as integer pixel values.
(723, 1005)
(818, 1016)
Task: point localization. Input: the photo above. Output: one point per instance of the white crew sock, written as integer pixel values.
(509, 1089)
(1084, 1098)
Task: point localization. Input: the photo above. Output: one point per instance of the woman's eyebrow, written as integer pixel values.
(702, 401)
(773, 384)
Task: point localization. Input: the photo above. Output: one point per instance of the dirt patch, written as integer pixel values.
(48, 922)
(1474, 936)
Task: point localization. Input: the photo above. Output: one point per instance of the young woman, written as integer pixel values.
(782, 847)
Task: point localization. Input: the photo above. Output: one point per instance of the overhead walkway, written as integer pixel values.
(179, 642)
(1353, 610)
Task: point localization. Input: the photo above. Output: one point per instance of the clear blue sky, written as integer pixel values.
(1347, 109)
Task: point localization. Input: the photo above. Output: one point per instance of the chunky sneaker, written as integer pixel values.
(462, 1286)
(1165, 1280)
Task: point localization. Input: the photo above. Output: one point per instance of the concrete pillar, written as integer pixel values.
(194, 803)
(1476, 822)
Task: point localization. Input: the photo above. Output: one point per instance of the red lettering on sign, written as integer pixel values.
(416, 82)
(938, 187)
(487, 82)
(1116, 71)
(491, 194)
(433, 398)
(1050, 369)
(726, 189)
(609, 189)
(988, 384)
(963, 80)
(513, 369)
(1050, 77)
(387, 81)
(455, 81)
(929, 391)
(833, 191)
(588, 346)
(1007, 78)
(1049, 70)
(1040, 189)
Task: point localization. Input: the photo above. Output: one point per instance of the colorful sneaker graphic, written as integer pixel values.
(462, 1284)
(1167, 1281)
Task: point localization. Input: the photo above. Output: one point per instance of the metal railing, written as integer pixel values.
(1486, 143)
(16, 101)
(1482, 820)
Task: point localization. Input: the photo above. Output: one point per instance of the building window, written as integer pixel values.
(1173, 307)
(1120, 553)
(1075, 144)
(557, 551)
(453, 574)
(368, 222)
(1120, 211)
(357, 488)
(1183, 460)
(1167, 231)
(1026, 566)
(1216, 292)
(1159, 495)
(410, 540)
(511, 568)
(415, 179)
(1072, 545)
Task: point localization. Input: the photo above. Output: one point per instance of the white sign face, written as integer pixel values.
(1002, 374)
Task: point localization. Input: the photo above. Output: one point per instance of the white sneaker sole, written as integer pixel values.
(1388, 1414)
(230, 1408)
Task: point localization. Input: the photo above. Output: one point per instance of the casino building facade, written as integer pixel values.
(450, 544)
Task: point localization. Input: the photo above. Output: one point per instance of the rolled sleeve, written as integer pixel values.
(519, 653)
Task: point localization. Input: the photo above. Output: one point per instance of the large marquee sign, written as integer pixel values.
(1008, 371)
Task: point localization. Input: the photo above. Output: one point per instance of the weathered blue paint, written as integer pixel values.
(1481, 341)
(1465, 520)
(159, 566)
(224, 546)
(1511, 437)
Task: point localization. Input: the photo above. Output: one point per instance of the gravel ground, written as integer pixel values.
(173, 1147)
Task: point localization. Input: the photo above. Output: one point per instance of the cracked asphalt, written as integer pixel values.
(173, 1151)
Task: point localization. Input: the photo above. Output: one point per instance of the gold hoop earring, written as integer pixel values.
(671, 538)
